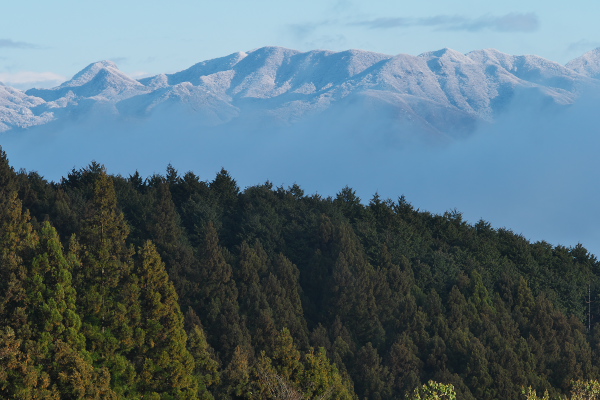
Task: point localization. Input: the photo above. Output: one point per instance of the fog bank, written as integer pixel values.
(535, 171)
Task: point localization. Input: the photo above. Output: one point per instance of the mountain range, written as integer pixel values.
(441, 92)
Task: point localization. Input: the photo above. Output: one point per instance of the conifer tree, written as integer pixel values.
(225, 191)
(353, 288)
(164, 363)
(371, 378)
(322, 379)
(59, 343)
(236, 376)
(110, 292)
(215, 297)
(164, 226)
(404, 365)
(17, 244)
(253, 263)
(282, 288)
(8, 182)
(20, 377)
(206, 366)
(17, 241)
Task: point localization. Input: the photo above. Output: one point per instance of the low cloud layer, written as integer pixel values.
(28, 79)
(535, 171)
(511, 22)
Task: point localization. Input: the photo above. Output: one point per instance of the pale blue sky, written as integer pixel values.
(48, 41)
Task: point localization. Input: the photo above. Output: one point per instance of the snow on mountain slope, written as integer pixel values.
(588, 64)
(204, 106)
(270, 72)
(17, 109)
(197, 72)
(441, 90)
(101, 80)
(286, 80)
(256, 74)
(535, 70)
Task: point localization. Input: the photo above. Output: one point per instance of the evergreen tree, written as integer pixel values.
(206, 366)
(110, 292)
(215, 297)
(57, 339)
(20, 377)
(17, 244)
(164, 363)
(164, 226)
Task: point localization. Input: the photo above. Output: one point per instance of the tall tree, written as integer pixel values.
(164, 363)
(59, 343)
(215, 297)
(110, 291)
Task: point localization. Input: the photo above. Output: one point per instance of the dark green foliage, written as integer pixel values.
(163, 362)
(284, 295)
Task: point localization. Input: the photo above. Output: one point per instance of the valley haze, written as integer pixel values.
(510, 139)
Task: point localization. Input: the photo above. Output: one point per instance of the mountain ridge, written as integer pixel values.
(289, 86)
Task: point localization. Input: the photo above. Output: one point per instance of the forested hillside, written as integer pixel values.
(175, 287)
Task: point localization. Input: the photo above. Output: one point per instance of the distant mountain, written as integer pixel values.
(101, 81)
(588, 64)
(441, 92)
(16, 109)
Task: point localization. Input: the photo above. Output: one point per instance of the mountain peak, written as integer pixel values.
(588, 64)
(269, 54)
(487, 53)
(272, 50)
(100, 78)
(445, 52)
(90, 72)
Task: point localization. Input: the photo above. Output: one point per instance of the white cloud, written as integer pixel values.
(29, 79)
(9, 43)
(139, 74)
(511, 22)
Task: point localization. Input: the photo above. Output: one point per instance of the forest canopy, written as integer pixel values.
(174, 287)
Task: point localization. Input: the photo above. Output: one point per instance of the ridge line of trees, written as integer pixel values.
(172, 287)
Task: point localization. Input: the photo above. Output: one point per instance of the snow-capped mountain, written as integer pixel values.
(588, 64)
(101, 80)
(440, 91)
(16, 109)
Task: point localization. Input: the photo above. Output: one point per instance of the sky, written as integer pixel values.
(45, 43)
